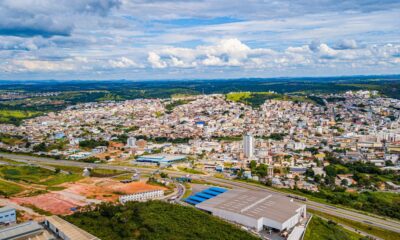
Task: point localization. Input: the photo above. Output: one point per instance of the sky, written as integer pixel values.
(197, 39)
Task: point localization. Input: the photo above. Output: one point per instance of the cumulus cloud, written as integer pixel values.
(155, 60)
(346, 44)
(47, 18)
(45, 66)
(196, 37)
(234, 53)
(123, 62)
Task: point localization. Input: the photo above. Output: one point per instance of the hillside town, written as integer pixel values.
(286, 137)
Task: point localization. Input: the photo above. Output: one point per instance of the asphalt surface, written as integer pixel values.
(377, 221)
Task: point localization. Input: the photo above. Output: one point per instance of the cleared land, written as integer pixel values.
(82, 193)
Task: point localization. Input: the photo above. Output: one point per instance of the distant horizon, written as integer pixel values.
(208, 79)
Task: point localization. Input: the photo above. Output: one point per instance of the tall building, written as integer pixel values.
(248, 145)
(131, 142)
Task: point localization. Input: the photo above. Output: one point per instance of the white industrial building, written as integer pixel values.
(142, 196)
(7, 215)
(65, 230)
(255, 209)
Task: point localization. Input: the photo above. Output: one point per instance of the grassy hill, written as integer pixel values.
(319, 229)
(256, 99)
(154, 220)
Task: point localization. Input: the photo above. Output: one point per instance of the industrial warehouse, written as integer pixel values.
(254, 209)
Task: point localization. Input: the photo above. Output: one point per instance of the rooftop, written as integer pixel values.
(161, 158)
(70, 230)
(6, 209)
(254, 204)
(20, 230)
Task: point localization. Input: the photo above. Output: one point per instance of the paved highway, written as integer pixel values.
(377, 221)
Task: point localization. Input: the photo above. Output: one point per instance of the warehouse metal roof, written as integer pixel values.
(254, 204)
(20, 230)
(6, 209)
(70, 230)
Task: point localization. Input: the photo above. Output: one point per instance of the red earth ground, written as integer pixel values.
(83, 192)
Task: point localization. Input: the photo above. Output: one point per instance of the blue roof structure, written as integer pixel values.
(205, 195)
(209, 192)
(217, 189)
(160, 158)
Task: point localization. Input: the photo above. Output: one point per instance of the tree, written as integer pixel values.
(240, 173)
(163, 175)
(253, 165)
(41, 147)
(296, 179)
(310, 172)
(329, 180)
(344, 182)
(262, 170)
(317, 178)
(389, 163)
(330, 171)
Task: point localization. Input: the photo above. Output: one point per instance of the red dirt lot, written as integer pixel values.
(51, 202)
(83, 192)
(106, 189)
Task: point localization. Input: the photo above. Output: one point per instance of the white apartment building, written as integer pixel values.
(131, 142)
(248, 146)
(142, 196)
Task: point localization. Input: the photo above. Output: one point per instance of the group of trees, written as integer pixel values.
(91, 143)
(275, 136)
(153, 220)
(367, 176)
(261, 170)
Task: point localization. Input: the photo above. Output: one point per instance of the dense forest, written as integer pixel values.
(154, 220)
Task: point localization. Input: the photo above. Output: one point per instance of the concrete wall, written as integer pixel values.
(291, 222)
(272, 224)
(56, 231)
(237, 218)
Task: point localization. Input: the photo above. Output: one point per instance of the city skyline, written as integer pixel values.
(140, 40)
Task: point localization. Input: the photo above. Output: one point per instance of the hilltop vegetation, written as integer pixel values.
(154, 220)
(256, 99)
(16, 116)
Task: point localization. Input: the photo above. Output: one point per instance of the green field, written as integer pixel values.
(8, 189)
(256, 99)
(190, 170)
(154, 220)
(319, 229)
(378, 232)
(16, 116)
(11, 140)
(36, 175)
